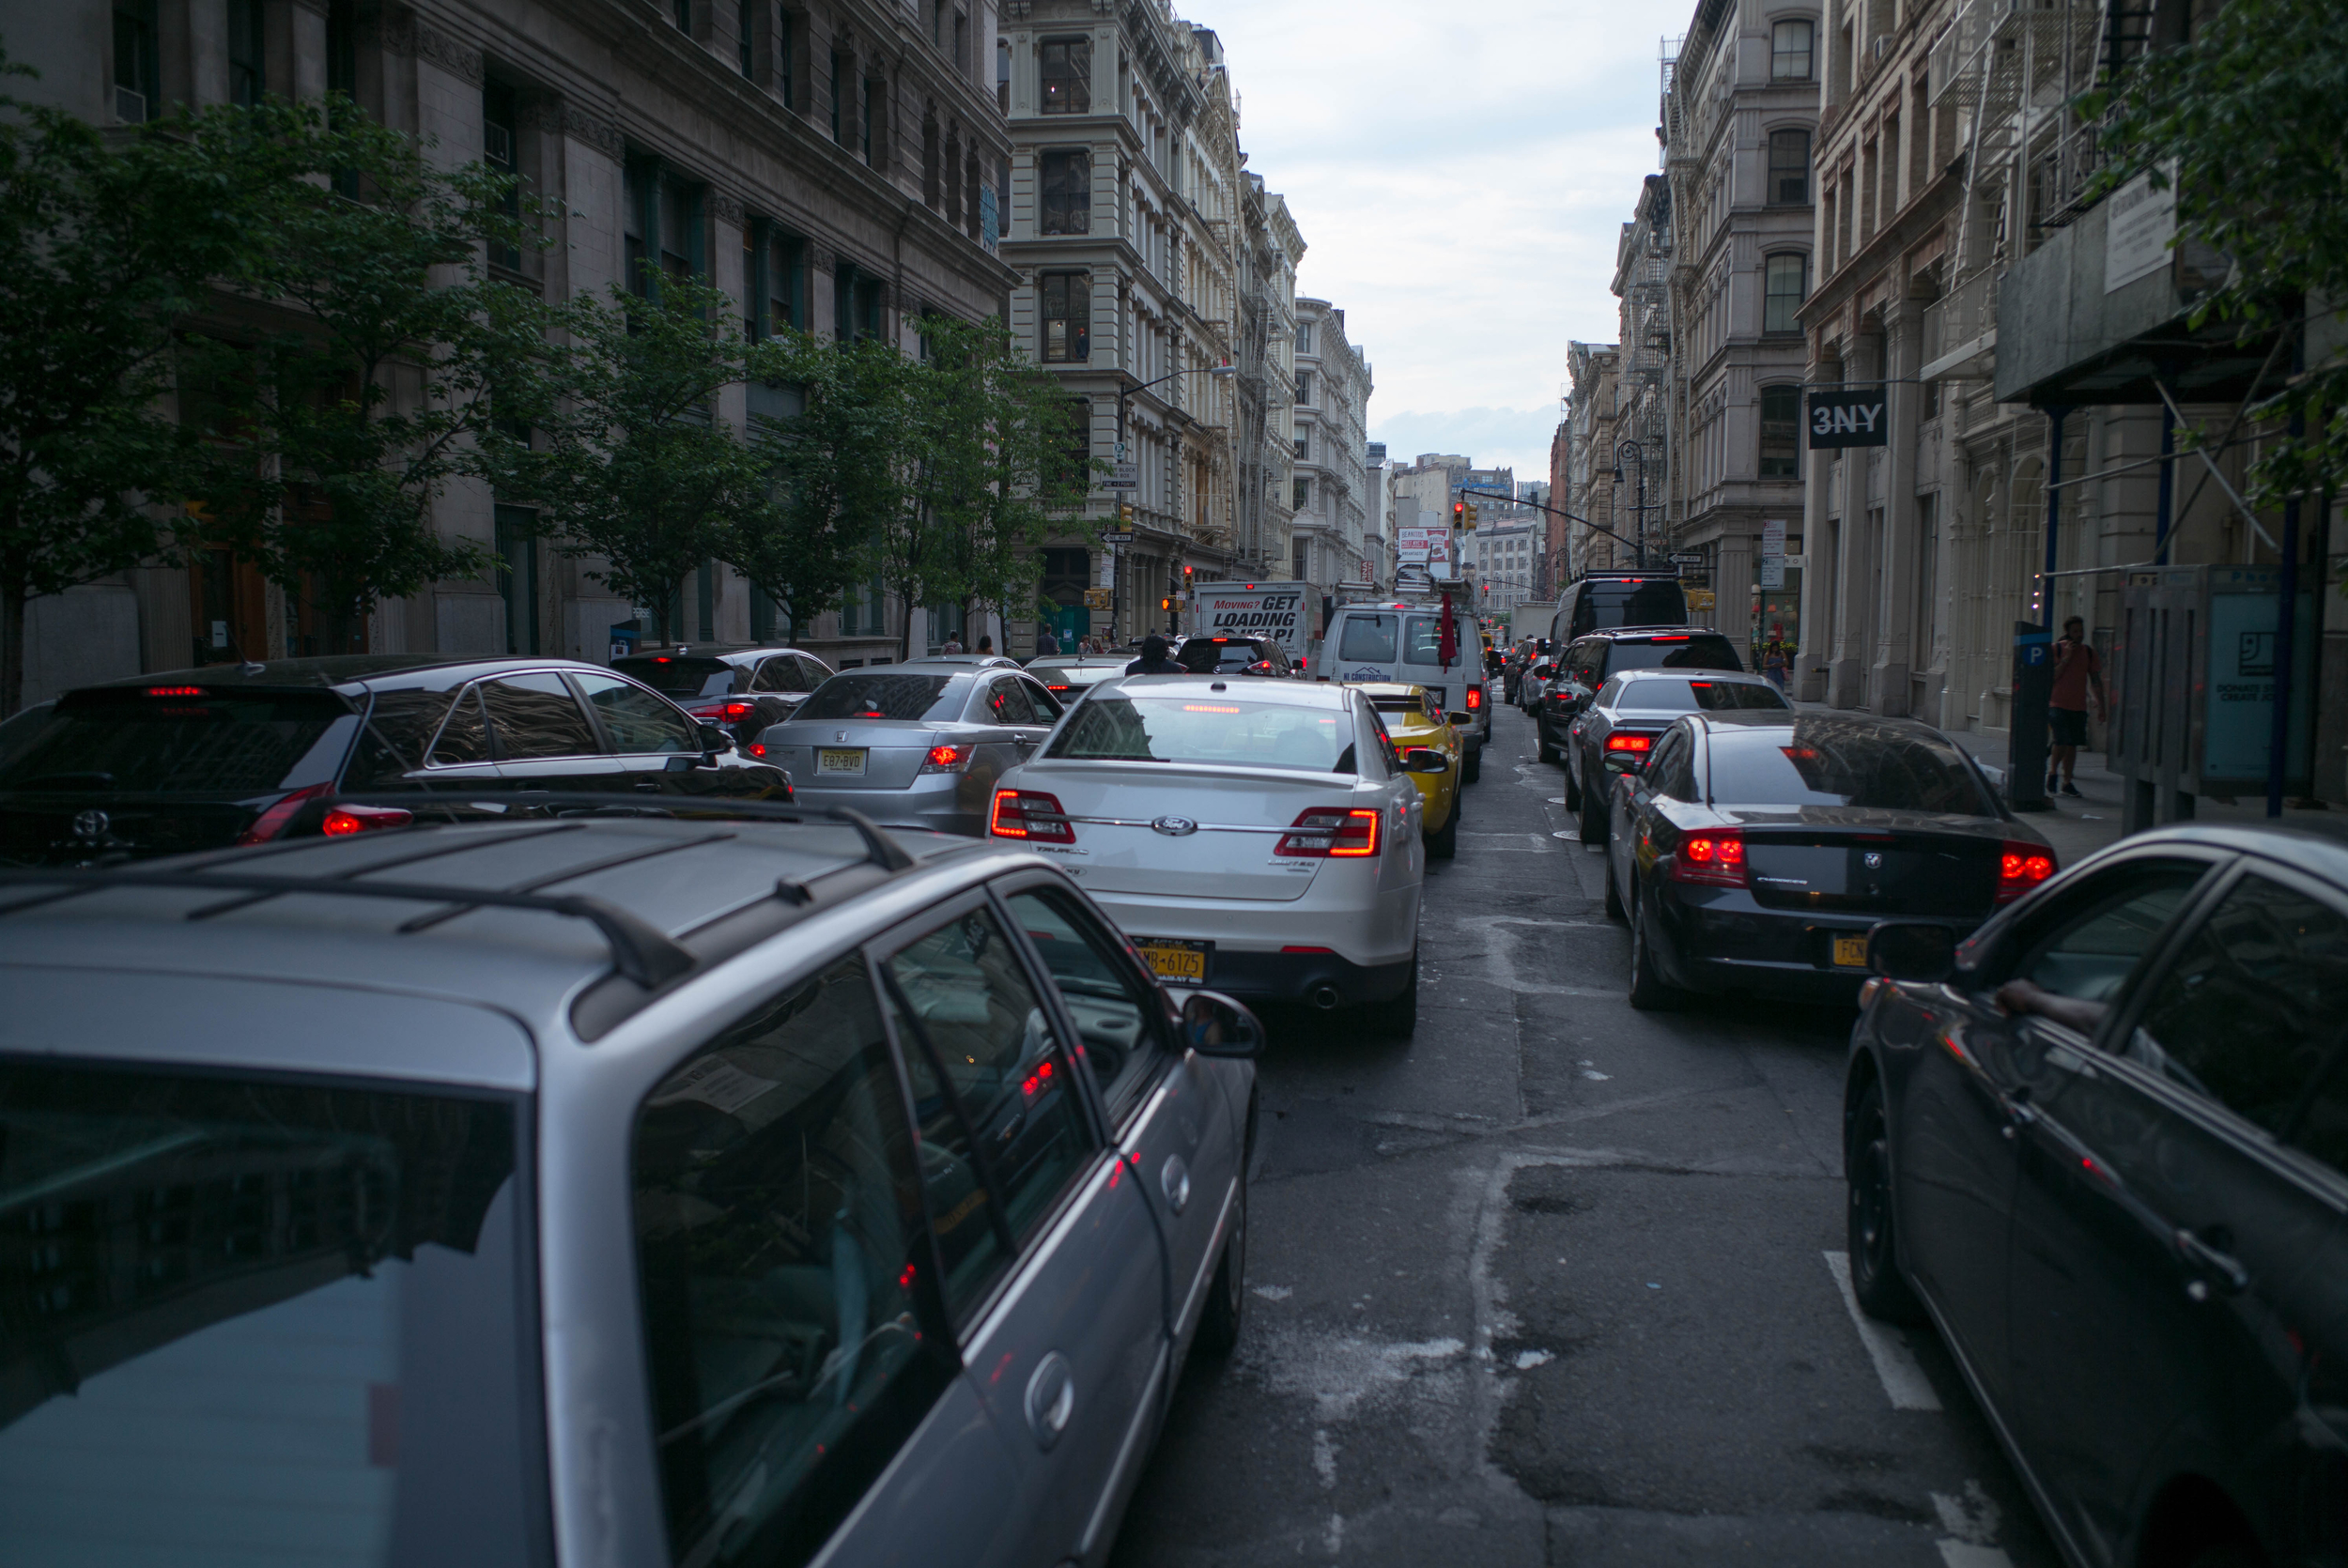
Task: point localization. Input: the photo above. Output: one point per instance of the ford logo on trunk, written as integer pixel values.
(1175, 827)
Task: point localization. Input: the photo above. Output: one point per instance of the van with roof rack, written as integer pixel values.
(637, 1181)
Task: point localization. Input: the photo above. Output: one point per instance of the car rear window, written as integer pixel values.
(679, 675)
(862, 695)
(1423, 642)
(1689, 697)
(1213, 729)
(1673, 653)
(254, 1321)
(1649, 601)
(1829, 762)
(184, 740)
(1368, 637)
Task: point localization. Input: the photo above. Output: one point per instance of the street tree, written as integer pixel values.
(108, 247)
(2248, 118)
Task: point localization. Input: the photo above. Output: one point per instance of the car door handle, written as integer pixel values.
(650, 786)
(2212, 1269)
(1051, 1399)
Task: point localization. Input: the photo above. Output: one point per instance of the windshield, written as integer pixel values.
(1367, 637)
(673, 675)
(1688, 696)
(1214, 730)
(187, 741)
(277, 1323)
(862, 694)
(1684, 653)
(1835, 762)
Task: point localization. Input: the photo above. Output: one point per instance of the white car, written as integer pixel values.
(1259, 836)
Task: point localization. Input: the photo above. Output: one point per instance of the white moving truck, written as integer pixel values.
(1275, 611)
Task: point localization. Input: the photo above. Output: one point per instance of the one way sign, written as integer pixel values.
(1842, 416)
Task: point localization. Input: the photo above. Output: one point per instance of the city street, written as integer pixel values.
(1558, 1282)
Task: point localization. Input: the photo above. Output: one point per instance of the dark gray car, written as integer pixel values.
(598, 1191)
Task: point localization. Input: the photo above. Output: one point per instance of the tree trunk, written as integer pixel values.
(12, 651)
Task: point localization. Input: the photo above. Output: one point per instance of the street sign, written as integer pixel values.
(1700, 598)
(1689, 558)
(1117, 536)
(1100, 598)
(1125, 476)
(1773, 539)
(1844, 416)
(1773, 572)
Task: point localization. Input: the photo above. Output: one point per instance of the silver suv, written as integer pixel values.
(607, 1189)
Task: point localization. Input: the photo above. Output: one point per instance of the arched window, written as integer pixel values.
(1789, 50)
(1785, 279)
(1789, 168)
(1781, 432)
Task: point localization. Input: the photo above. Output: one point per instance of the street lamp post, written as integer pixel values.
(1638, 511)
(1124, 397)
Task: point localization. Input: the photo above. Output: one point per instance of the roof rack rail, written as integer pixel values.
(640, 951)
(879, 848)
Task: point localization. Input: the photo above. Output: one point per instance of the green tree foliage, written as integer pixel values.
(403, 360)
(107, 250)
(637, 467)
(2252, 115)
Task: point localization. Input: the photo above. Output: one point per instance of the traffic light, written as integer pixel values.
(1166, 603)
(1459, 514)
(1471, 515)
(1124, 514)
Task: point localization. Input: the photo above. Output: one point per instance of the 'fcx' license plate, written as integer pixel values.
(1850, 952)
(1175, 960)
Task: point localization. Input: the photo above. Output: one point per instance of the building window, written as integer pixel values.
(856, 304)
(1782, 293)
(1781, 432)
(838, 125)
(1002, 74)
(1789, 51)
(1301, 495)
(500, 143)
(683, 13)
(1303, 443)
(1789, 168)
(1300, 556)
(787, 58)
(1067, 179)
(774, 280)
(745, 36)
(138, 88)
(1304, 337)
(867, 114)
(1067, 71)
(1067, 319)
(247, 77)
(663, 232)
(1303, 386)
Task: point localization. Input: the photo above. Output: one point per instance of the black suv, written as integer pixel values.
(202, 759)
(1574, 676)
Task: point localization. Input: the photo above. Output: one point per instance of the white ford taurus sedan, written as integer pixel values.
(1261, 838)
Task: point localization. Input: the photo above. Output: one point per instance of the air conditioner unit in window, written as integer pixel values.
(130, 107)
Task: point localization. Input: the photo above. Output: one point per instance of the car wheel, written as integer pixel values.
(1649, 992)
(1473, 767)
(1874, 1270)
(1397, 1016)
(1593, 824)
(1614, 900)
(1444, 843)
(1573, 791)
(1226, 1300)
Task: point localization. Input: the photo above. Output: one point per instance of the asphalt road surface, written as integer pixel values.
(1559, 1282)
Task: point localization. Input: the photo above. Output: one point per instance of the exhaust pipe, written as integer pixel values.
(1325, 998)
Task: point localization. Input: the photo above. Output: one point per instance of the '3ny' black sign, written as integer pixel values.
(1844, 416)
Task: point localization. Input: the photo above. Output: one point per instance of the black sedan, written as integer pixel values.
(1754, 850)
(2103, 1145)
(742, 687)
(1630, 712)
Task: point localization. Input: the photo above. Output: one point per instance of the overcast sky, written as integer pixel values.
(1460, 171)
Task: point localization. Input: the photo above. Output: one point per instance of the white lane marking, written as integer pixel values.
(1324, 1459)
(1595, 1076)
(1904, 1382)
(1971, 1522)
(1275, 1292)
(1960, 1554)
(1528, 1360)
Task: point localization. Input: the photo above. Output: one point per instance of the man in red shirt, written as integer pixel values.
(2077, 672)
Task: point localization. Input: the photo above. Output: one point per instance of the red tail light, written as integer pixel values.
(344, 820)
(949, 759)
(726, 712)
(271, 822)
(2021, 867)
(1330, 832)
(756, 749)
(1629, 742)
(175, 691)
(1031, 815)
(1714, 859)
(1476, 698)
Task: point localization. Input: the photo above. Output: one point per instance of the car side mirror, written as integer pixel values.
(713, 737)
(1426, 758)
(1627, 761)
(1460, 718)
(1215, 1025)
(1911, 950)
(1542, 671)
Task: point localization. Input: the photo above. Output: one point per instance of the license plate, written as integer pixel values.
(1174, 959)
(840, 762)
(1850, 952)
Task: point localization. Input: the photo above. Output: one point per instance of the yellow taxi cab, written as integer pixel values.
(1414, 720)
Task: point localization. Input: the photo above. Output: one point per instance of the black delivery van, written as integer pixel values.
(1599, 600)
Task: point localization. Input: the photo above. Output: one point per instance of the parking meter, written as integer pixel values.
(2033, 686)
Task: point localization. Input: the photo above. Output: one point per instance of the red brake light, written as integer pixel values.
(1476, 698)
(946, 759)
(740, 710)
(271, 822)
(175, 691)
(756, 749)
(1716, 858)
(1629, 742)
(1667, 639)
(344, 820)
(1031, 815)
(2021, 867)
(1329, 831)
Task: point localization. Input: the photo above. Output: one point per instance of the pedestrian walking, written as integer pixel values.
(987, 645)
(1046, 645)
(1773, 663)
(952, 645)
(2077, 673)
(1153, 660)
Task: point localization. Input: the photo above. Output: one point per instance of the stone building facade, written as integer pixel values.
(1581, 462)
(835, 164)
(1328, 530)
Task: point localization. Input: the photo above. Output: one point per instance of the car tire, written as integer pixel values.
(1874, 1270)
(1573, 791)
(1473, 768)
(1226, 1310)
(1649, 992)
(1395, 1018)
(1614, 911)
(1549, 747)
(1593, 823)
(1444, 843)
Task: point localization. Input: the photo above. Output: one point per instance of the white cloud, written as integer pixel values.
(1460, 173)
